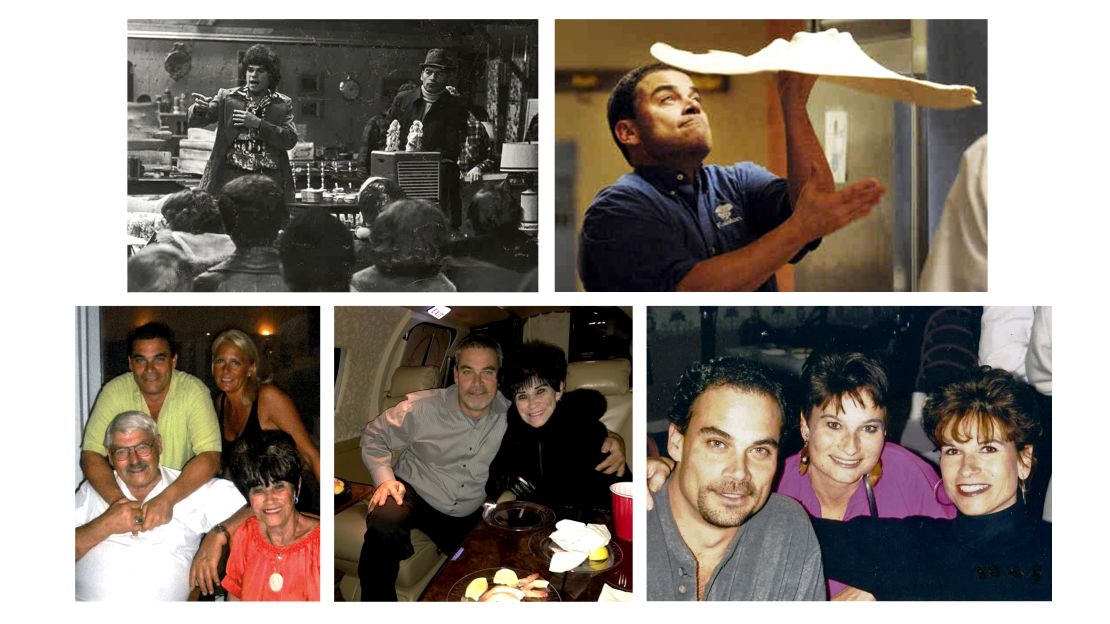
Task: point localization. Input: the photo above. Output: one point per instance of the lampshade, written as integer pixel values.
(520, 156)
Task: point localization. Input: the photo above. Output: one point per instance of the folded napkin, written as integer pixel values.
(577, 541)
(611, 594)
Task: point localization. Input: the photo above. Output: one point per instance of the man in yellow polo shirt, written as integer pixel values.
(179, 403)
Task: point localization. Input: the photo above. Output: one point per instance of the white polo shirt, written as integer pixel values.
(155, 564)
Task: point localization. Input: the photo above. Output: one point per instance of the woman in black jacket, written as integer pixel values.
(553, 441)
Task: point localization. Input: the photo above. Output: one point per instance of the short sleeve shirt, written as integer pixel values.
(187, 421)
(647, 231)
(153, 564)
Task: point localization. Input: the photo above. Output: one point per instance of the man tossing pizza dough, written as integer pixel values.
(674, 223)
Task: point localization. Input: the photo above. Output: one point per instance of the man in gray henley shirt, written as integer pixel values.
(716, 531)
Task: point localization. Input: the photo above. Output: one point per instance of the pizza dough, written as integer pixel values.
(831, 54)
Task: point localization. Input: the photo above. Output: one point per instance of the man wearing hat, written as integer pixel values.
(444, 118)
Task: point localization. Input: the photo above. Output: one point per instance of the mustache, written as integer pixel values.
(140, 467)
(733, 487)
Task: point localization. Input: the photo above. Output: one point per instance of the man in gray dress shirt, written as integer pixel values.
(717, 532)
(447, 439)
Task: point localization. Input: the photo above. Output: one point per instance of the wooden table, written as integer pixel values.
(490, 547)
(359, 493)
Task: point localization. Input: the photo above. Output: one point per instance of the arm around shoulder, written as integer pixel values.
(275, 408)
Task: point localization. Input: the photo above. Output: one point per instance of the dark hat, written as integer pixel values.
(437, 57)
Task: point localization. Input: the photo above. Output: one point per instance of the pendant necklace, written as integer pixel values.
(276, 580)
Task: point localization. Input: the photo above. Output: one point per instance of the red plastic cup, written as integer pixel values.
(622, 509)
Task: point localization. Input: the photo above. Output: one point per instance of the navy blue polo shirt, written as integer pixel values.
(648, 230)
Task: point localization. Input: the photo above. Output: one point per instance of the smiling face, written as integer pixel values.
(152, 365)
(727, 457)
(844, 446)
(536, 402)
(126, 451)
(476, 376)
(981, 474)
(670, 124)
(273, 504)
(231, 368)
(258, 79)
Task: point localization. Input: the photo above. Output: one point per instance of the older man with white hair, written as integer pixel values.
(115, 558)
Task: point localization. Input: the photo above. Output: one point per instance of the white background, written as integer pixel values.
(63, 246)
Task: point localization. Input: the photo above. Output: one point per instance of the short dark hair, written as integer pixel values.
(253, 208)
(377, 193)
(535, 363)
(723, 372)
(829, 378)
(409, 238)
(151, 331)
(264, 459)
(193, 211)
(622, 99)
(478, 340)
(999, 404)
(317, 253)
(264, 56)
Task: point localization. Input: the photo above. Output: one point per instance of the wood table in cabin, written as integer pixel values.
(491, 547)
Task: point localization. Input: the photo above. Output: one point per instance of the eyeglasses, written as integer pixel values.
(143, 449)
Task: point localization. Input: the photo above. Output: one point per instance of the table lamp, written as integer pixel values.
(524, 158)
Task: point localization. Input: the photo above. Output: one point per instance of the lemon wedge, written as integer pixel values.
(601, 553)
(476, 588)
(505, 576)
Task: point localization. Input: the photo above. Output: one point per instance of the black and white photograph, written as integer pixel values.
(332, 155)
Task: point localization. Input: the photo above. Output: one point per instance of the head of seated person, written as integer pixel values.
(317, 253)
(492, 210)
(159, 268)
(407, 250)
(409, 238)
(253, 210)
(986, 424)
(536, 380)
(375, 194)
(193, 211)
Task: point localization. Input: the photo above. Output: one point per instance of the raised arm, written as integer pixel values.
(818, 208)
(804, 157)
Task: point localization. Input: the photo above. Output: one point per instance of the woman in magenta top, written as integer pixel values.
(847, 468)
(276, 554)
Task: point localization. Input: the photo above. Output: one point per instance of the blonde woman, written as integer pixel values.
(249, 404)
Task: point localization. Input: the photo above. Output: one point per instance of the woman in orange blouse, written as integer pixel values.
(275, 555)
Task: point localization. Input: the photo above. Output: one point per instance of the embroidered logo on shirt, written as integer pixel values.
(727, 214)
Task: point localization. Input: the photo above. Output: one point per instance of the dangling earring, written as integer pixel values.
(876, 473)
(803, 464)
(1021, 485)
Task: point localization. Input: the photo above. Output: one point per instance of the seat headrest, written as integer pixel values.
(412, 378)
(609, 377)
